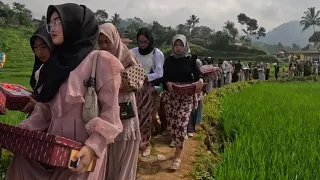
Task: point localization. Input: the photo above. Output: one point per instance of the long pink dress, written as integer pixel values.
(123, 153)
(63, 116)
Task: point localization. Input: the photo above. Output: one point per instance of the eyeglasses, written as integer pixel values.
(143, 42)
(53, 24)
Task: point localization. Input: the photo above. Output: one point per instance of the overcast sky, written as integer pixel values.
(212, 13)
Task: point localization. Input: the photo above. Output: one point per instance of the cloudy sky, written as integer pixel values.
(212, 13)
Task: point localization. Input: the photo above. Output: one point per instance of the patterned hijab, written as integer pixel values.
(186, 52)
(119, 49)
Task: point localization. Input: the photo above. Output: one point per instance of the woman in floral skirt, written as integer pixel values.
(179, 68)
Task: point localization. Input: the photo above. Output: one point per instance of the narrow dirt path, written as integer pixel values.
(151, 168)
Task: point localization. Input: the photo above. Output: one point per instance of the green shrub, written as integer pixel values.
(258, 58)
(4, 164)
(235, 48)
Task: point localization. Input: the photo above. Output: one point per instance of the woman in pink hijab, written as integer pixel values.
(122, 157)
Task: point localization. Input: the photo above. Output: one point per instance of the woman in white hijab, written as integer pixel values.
(179, 68)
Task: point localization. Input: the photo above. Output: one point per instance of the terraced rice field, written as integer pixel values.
(17, 69)
(15, 44)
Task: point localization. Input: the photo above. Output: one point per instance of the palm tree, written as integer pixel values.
(311, 18)
(116, 19)
(194, 20)
(188, 24)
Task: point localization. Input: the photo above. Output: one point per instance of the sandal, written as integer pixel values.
(146, 152)
(172, 144)
(175, 164)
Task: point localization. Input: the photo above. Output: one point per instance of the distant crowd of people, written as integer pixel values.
(227, 72)
(230, 71)
(302, 68)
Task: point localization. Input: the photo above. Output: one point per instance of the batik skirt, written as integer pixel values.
(144, 99)
(178, 109)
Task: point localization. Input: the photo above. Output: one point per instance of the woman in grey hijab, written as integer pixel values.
(179, 68)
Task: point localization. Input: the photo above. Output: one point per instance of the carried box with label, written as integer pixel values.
(2, 103)
(40, 146)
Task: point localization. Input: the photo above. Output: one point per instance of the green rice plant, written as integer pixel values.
(17, 69)
(16, 45)
(273, 130)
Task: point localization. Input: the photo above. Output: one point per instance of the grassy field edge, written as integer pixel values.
(212, 138)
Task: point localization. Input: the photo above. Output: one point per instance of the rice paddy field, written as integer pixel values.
(274, 131)
(17, 69)
(15, 44)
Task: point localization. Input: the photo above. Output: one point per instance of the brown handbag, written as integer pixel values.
(134, 77)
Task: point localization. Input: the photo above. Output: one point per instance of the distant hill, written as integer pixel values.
(288, 33)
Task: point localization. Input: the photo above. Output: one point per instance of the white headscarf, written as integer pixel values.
(186, 51)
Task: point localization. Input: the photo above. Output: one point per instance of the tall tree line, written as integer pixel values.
(18, 15)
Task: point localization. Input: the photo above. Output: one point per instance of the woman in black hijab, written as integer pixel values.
(42, 47)
(74, 31)
(145, 41)
(148, 101)
(79, 36)
(40, 43)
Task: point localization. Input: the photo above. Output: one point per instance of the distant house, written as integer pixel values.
(200, 40)
(309, 53)
(309, 47)
(280, 54)
(126, 41)
(238, 44)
